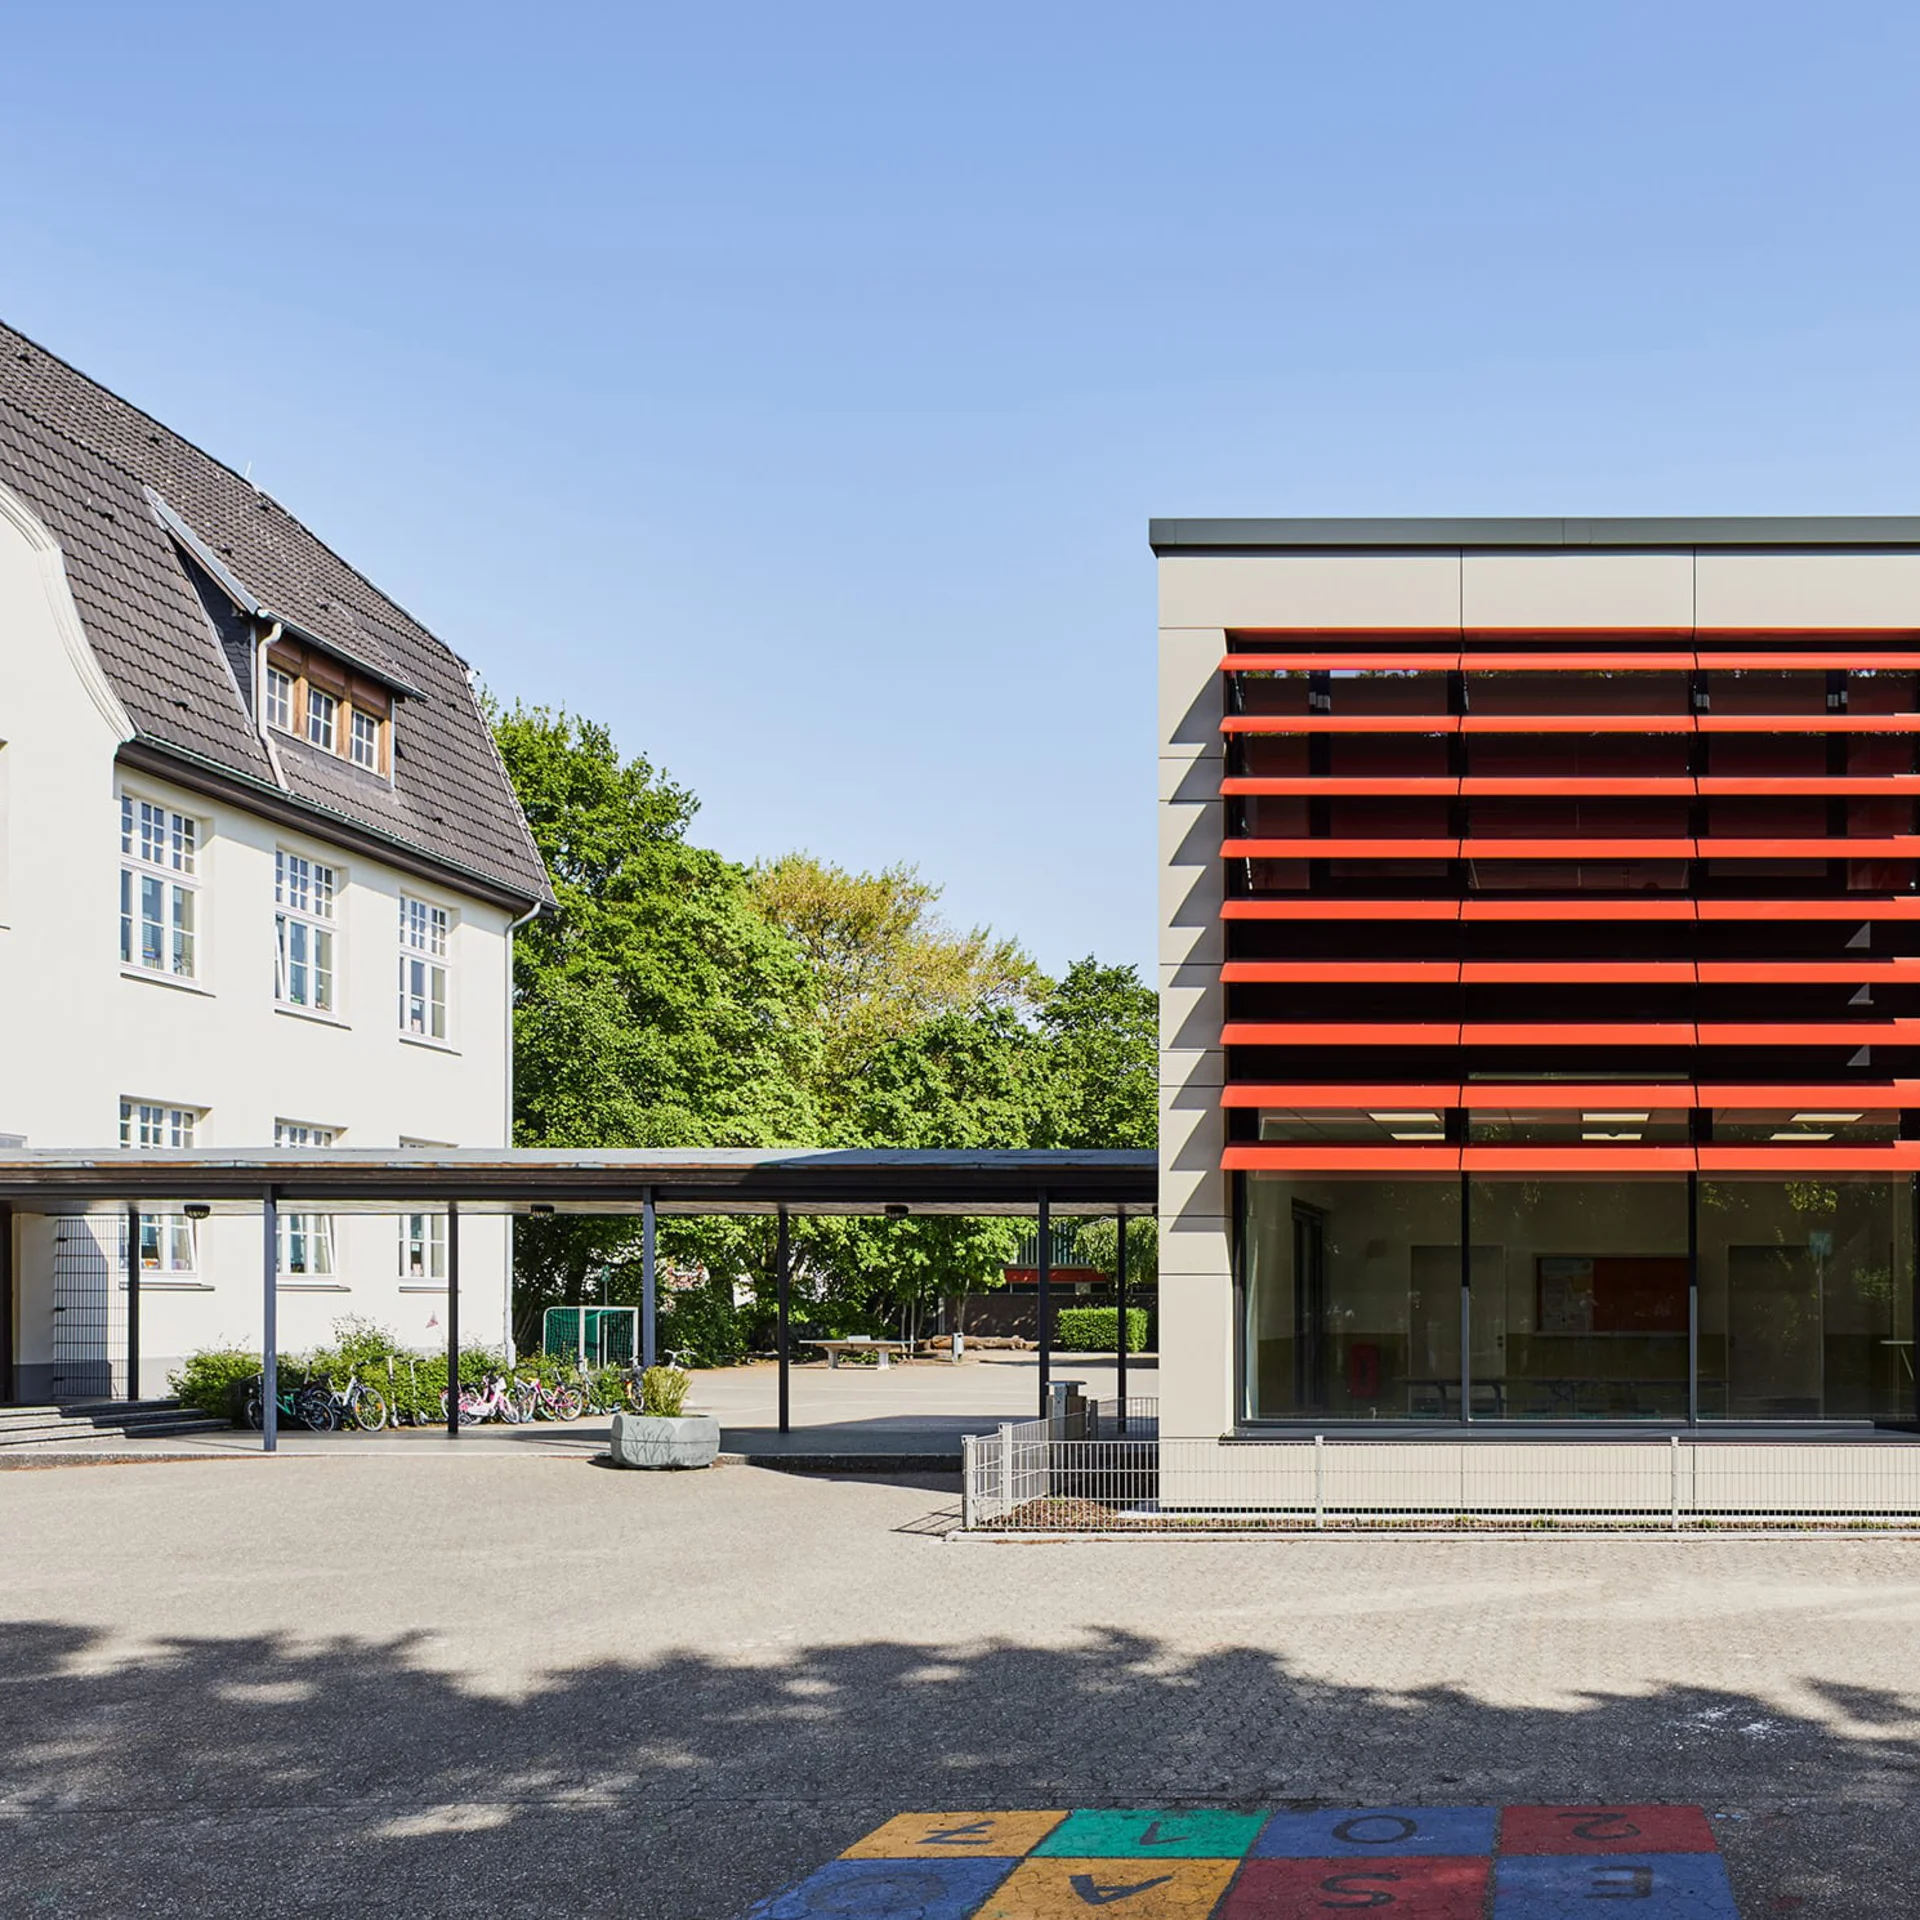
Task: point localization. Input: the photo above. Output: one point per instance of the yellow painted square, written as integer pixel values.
(956, 1836)
(1135, 1889)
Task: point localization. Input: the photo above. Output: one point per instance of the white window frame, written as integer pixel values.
(364, 730)
(305, 1237)
(426, 970)
(305, 931)
(159, 889)
(148, 1124)
(323, 708)
(423, 1236)
(279, 700)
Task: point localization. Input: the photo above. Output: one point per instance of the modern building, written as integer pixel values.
(259, 871)
(1541, 984)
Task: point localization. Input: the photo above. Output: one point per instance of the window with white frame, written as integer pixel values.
(423, 1249)
(366, 740)
(169, 1242)
(423, 969)
(149, 1123)
(159, 865)
(303, 892)
(305, 1239)
(280, 699)
(323, 714)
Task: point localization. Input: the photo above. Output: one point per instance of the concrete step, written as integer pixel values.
(125, 1419)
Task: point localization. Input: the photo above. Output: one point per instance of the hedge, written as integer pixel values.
(1097, 1329)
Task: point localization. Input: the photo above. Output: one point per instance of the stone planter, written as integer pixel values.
(640, 1440)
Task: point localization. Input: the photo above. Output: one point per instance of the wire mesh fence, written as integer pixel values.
(1080, 1473)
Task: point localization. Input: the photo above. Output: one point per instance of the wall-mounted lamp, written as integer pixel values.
(197, 1210)
(895, 1210)
(541, 1206)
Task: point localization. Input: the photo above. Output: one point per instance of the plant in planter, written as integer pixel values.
(660, 1434)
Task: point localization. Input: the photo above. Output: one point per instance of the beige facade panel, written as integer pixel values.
(1196, 1366)
(1192, 1006)
(1808, 589)
(1191, 779)
(1311, 590)
(1190, 699)
(1192, 1067)
(1560, 589)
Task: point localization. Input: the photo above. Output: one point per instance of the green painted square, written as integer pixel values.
(1149, 1834)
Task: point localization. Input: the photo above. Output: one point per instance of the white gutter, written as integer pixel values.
(513, 926)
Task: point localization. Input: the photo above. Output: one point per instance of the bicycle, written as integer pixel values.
(364, 1406)
(536, 1400)
(487, 1402)
(312, 1405)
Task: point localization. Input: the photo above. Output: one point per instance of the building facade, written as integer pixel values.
(259, 868)
(1541, 974)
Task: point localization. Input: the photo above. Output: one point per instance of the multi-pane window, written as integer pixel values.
(423, 1248)
(303, 892)
(147, 1123)
(159, 850)
(306, 1239)
(323, 712)
(167, 1240)
(366, 741)
(280, 699)
(423, 969)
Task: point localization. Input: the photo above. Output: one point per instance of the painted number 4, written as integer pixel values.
(1093, 1894)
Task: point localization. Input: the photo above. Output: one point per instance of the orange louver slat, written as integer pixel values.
(1340, 1033)
(1407, 972)
(1289, 1158)
(1313, 1097)
(1519, 972)
(1340, 723)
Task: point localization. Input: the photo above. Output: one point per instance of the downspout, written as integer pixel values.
(513, 926)
(260, 647)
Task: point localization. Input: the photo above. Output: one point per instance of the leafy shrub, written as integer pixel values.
(215, 1381)
(663, 1392)
(1097, 1329)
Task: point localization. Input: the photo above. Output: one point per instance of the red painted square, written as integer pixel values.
(1605, 1829)
(1386, 1889)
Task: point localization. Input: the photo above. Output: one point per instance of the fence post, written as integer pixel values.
(1673, 1480)
(1319, 1479)
(1006, 1469)
(966, 1481)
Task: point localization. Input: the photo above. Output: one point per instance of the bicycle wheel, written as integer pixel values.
(472, 1408)
(370, 1410)
(635, 1396)
(316, 1407)
(253, 1411)
(567, 1404)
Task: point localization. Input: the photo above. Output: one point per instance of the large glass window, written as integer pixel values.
(1580, 1298)
(303, 894)
(1352, 1298)
(423, 969)
(158, 863)
(1806, 1299)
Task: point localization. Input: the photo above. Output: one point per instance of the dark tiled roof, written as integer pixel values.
(83, 459)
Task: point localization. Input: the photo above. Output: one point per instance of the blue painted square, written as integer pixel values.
(1377, 1833)
(1649, 1886)
(888, 1890)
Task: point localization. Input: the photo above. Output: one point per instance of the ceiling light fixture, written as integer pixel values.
(1593, 1118)
(1799, 1139)
(1844, 1119)
(1406, 1119)
(1609, 1136)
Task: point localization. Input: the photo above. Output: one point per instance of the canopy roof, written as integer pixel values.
(524, 1179)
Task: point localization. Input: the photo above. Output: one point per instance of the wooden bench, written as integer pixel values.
(859, 1343)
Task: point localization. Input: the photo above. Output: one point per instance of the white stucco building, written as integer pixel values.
(259, 871)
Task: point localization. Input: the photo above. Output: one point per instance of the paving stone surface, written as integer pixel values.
(526, 1686)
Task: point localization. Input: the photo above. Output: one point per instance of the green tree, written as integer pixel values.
(1102, 1028)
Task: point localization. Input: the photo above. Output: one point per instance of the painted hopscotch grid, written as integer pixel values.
(1392, 1863)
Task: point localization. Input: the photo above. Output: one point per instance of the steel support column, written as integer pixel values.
(782, 1277)
(1120, 1298)
(7, 1290)
(453, 1319)
(270, 1322)
(133, 1303)
(1466, 1300)
(1043, 1296)
(1693, 1299)
(649, 1297)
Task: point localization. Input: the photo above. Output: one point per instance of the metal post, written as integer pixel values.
(1043, 1294)
(270, 1323)
(781, 1277)
(453, 1319)
(1319, 1479)
(648, 1297)
(7, 1388)
(1120, 1296)
(133, 1303)
(968, 1446)
(1693, 1299)
(1466, 1300)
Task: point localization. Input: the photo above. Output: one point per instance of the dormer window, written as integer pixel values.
(319, 699)
(323, 711)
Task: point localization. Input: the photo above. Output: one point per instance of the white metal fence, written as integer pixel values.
(1078, 1472)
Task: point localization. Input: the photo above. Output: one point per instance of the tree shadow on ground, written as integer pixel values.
(255, 1776)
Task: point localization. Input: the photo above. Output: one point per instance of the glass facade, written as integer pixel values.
(1635, 1299)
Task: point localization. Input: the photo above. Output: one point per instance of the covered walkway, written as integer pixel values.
(465, 1182)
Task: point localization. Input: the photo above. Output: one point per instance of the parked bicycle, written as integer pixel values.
(360, 1405)
(535, 1400)
(490, 1401)
(306, 1401)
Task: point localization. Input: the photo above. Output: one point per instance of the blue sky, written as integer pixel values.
(790, 386)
